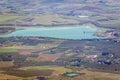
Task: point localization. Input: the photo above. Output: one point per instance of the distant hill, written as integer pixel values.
(102, 13)
(23, 2)
(37, 5)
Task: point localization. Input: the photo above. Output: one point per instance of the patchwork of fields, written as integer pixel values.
(46, 58)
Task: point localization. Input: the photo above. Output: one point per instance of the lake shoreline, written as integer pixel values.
(65, 32)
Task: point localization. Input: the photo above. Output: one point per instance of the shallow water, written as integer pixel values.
(72, 74)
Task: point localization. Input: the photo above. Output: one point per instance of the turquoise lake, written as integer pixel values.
(83, 32)
(72, 74)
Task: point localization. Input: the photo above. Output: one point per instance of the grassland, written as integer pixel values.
(5, 50)
(7, 18)
(57, 69)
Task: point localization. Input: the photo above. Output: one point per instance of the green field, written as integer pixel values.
(57, 69)
(8, 50)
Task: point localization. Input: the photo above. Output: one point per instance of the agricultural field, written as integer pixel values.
(57, 69)
(43, 57)
(57, 57)
(5, 50)
(8, 17)
(90, 75)
(6, 64)
(5, 76)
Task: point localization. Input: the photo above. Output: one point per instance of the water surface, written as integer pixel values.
(83, 32)
(72, 74)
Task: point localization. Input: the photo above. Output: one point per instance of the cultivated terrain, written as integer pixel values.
(48, 58)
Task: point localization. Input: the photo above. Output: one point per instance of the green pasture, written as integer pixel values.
(8, 50)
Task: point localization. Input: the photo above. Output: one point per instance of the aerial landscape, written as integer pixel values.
(59, 39)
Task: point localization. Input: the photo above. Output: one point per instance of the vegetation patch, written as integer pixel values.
(3, 50)
(57, 69)
(27, 73)
(5, 18)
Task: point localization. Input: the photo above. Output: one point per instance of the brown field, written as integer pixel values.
(28, 73)
(8, 77)
(49, 57)
(89, 75)
(6, 64)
